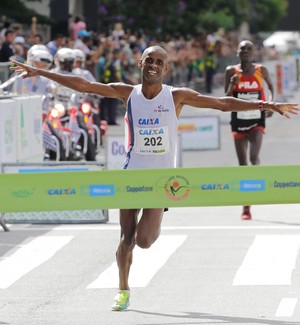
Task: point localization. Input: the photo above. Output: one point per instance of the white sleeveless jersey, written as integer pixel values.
(151, 130)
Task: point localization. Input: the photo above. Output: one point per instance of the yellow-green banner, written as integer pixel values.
(149, 188)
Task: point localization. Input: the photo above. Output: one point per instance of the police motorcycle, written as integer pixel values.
(56, 137)
(88, 104)
(65, 123)
(40, 57)
(88, 109)
(81, 145)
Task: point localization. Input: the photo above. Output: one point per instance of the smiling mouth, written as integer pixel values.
(152, 72)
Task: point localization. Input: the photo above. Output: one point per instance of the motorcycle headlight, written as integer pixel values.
(86, 108)
(54, 113)
(58, 110)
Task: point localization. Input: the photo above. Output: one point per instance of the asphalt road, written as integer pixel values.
(208, 266)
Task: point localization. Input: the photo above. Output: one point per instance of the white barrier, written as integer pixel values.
(8, 135)
(21, 129)
(285, 76)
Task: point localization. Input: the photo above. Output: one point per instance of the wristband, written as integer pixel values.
(261, 105)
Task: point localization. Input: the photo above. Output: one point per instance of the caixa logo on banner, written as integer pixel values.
(214, 186)
(62, 191)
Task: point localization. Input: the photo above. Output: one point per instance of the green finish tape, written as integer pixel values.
(149, 188)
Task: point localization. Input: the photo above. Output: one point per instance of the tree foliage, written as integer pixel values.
(268, 13)
(190, 16)
(15, 10)
(163, 17)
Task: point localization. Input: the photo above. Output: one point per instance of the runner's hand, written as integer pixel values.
(21, 67)
(283, 108)
(234, 80)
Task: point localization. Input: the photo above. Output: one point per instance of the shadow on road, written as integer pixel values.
(213, 319)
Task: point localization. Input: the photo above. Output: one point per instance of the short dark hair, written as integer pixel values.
(39, 36)
(59, 36)
(9, 31)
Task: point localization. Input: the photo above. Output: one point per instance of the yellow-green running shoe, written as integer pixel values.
(121, 300)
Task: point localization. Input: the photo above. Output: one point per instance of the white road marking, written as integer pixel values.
(28, 257)
(117, 228)
(286, 307)
(270, 260)
(146, 264)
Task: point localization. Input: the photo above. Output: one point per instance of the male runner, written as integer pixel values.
(245, 81)
(149, 106)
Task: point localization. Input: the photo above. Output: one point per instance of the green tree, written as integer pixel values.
(190, 16)
(17, 11)
(267, 13)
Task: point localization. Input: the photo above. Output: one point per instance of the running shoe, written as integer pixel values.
(121, 300)
(246, 214)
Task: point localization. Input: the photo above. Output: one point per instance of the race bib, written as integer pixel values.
(151, 140)
(251, 96)
(249, 115)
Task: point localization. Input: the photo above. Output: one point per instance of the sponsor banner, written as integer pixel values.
(54, 216)
(151, 188)
(199, 132)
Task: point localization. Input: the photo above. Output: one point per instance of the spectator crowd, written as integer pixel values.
(196, 61)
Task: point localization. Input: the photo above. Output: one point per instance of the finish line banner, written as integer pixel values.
(151, 188)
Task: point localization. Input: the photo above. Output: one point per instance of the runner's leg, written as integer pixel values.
(255, 139)
(241, 147)
(128, 223)
(148, 228)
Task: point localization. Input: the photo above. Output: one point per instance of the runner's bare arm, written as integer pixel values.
(113, 90)
(186, 96)
(268, 80)
(230, 80)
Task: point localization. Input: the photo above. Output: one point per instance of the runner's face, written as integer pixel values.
(245, 51)
(153, 66)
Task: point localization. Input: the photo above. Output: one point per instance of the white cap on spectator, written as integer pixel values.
(19, 39)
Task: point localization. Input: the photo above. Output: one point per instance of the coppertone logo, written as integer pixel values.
(139, 189)
(284, 185)
(177, 188)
